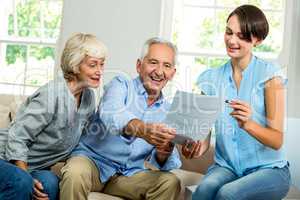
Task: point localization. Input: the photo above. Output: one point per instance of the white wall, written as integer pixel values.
(123, 25)
(290, 58)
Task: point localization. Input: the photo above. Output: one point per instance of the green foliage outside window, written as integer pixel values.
(29, 17)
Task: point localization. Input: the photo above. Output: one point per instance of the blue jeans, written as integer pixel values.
(222, 184)
(15, 183)
(49, 181)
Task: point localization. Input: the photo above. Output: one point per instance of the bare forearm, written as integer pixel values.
(265, 135)
(135, 128)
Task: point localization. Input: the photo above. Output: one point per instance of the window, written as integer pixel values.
(29, 30)
(198, 30)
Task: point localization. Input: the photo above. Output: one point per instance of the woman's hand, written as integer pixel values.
(37, 191)
(192, 149)
(241, 112)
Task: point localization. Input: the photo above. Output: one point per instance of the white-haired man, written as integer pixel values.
(126, 131)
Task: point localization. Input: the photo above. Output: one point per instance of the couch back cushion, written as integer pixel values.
(9, 105)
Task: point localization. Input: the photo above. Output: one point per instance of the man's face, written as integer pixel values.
(157, 68)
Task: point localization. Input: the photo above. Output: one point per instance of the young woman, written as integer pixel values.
(249, 160)
(49, 124)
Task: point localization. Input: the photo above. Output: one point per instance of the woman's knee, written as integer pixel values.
(228, 193)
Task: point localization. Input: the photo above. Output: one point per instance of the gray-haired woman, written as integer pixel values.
(49, 123)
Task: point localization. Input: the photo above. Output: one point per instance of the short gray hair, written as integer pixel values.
(76, 49)
(157, 40)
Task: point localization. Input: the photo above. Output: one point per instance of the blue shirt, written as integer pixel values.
(235, 148)
(103, 141)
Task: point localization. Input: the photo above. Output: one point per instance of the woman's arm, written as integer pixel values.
(272, 134)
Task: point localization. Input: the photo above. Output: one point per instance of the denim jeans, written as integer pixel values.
(15, 183)
(222, 184)
(49, 181)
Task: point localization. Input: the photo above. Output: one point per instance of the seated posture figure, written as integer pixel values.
(249, 159)
(126, 131)
(49, 124)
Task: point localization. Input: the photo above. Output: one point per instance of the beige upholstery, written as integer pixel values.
(190, 174)
(8, 107)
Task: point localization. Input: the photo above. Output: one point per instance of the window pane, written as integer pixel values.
(199, 3)
(51, 18)
(30, 90)
(273, 42)
(197, 29)
(40, 65)
(268, 4)
(230, 3)
(221, 17)
(28, 18)
(11, 89)
(13, 67)
(33, 18)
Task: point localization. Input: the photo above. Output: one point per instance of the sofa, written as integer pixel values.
(190, 173)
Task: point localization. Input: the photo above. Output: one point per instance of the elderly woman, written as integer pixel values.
(49, 123)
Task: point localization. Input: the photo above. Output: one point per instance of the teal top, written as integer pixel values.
(235, 148)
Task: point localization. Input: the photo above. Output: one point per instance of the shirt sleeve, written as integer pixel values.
(113, 108)
(173, 162)
(273, 70)
(32, 117)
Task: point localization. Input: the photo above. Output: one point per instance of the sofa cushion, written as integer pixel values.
(4, 116)
(102, 196)
(9, 105)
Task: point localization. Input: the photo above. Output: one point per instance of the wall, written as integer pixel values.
(290, 58)
(122, 25)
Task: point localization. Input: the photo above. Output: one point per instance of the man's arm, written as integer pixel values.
(154, 133)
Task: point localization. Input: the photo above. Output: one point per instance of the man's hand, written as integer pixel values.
(154, 133)
(163, 153)
(192, 149)
(37, 193)
(158, 134)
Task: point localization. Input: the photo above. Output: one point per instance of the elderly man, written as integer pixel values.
(126, 131)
